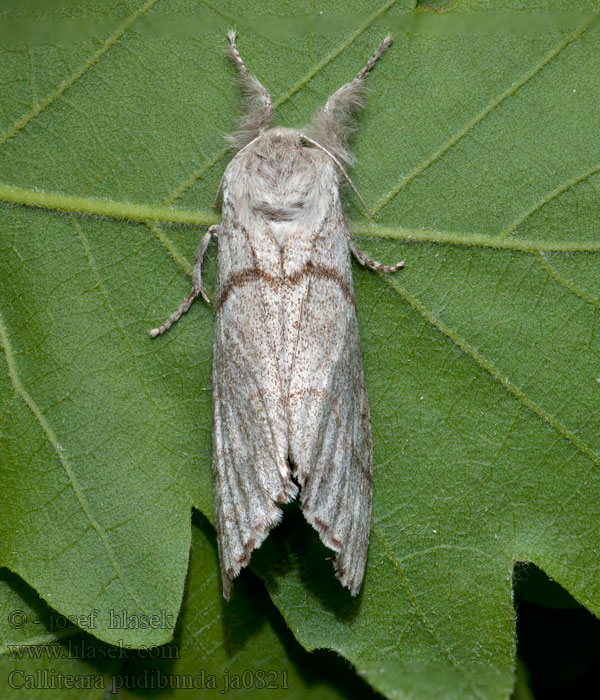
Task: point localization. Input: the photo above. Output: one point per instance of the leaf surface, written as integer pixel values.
(240, 649)
(479, 154)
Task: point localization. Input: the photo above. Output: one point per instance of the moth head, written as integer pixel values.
(280, 137)
(331, 125)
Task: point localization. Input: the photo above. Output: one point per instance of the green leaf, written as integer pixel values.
(42, 655)
(241, 648)
(238, 649)
(479, 155)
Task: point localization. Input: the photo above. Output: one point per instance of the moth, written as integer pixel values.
(291, 413)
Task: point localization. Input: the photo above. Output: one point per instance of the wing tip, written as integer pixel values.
(349, 578)
(253, 541)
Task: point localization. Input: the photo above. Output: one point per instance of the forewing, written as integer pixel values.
(250, 466)
(330, 434)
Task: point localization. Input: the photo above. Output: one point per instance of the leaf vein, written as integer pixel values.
(496, 102)
(52, 439)
(417, 609)
(559, 279)
(141, 213)
(524, 245)
(103, 291)
(548, 198)
(488, 366)
(63, 86)
(144, 213)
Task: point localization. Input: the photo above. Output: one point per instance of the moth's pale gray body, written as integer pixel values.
(291, 412)
(288, 380)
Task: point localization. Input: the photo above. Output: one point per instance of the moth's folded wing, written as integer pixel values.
(330, 432)
(251, 471)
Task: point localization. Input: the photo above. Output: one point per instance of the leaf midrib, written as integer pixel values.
(151, 213)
